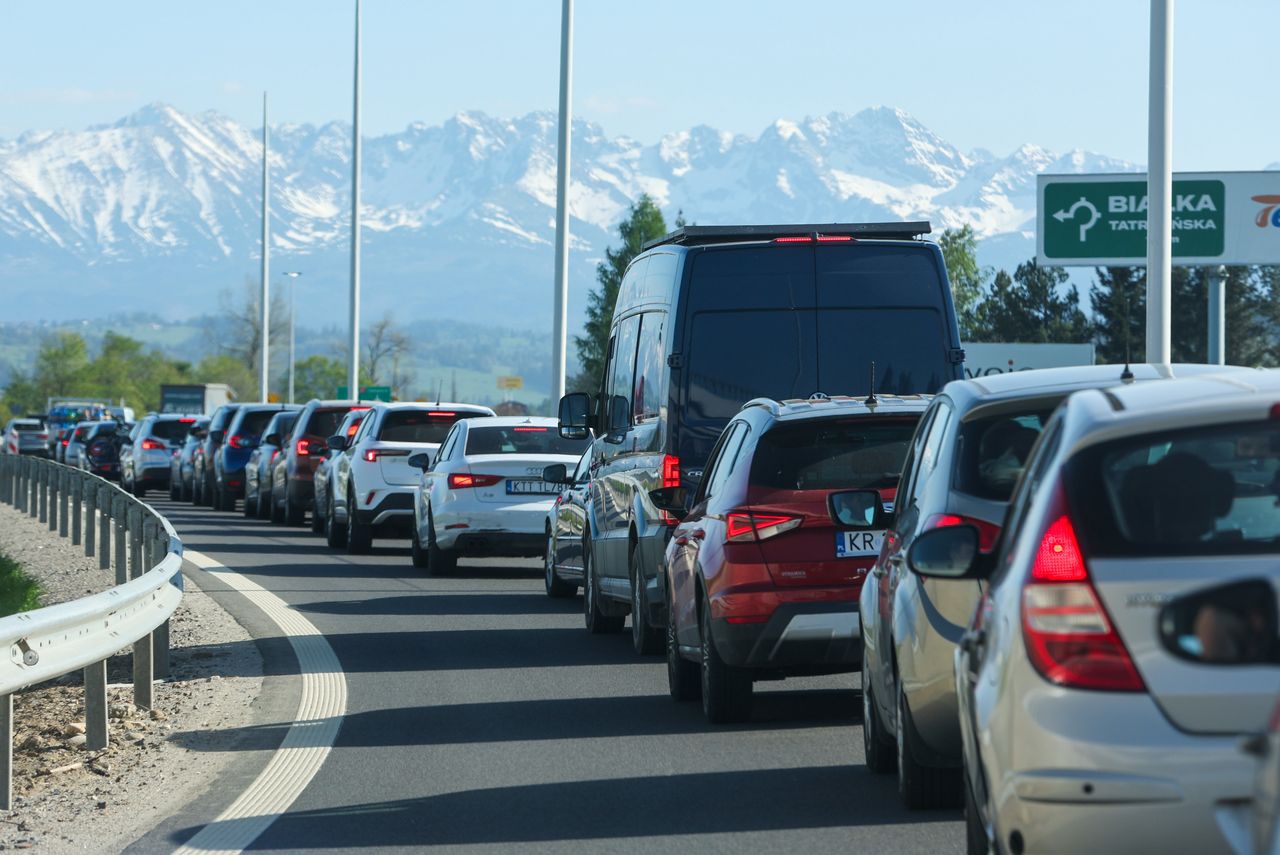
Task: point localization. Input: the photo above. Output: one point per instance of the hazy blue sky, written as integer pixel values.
(990, 74)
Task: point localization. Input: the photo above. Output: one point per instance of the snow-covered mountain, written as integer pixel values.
(160, 210)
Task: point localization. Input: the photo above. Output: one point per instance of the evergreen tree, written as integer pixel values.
(1030, 308)
(644, 223)
(960, 253)
(1119, 305)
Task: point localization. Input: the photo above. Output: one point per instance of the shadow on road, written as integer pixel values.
(484, 603)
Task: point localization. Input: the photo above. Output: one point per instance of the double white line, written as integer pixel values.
(310, 737)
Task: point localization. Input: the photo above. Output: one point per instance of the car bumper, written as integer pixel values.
(799, 635)
(496, 544)
(154, 476)
(393, 508)
(522, 527)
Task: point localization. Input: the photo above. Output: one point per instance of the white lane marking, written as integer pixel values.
(310, 737)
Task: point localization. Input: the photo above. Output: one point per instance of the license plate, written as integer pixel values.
(858, 544)
(531, 488)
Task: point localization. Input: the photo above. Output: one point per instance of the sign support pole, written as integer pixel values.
(1217, 354)
(353, 357)
(1160, 184)
(264, 378)
(559, 329)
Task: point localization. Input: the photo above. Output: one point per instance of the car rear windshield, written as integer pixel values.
(1206, 490)
(255, 422)
(285, 422)
(522, 439)
(171, 430)
(832, 454)
(992, 451)
(82, 431)
(27, 426)
(222, 418)
(325, 422)
(416, 426)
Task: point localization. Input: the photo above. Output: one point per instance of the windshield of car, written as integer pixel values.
(171, 430)
(992, 451)
(833, 454)
(521, 439)
(417, 425)
(1203, 490)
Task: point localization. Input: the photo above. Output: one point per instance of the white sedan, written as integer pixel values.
(482, 493)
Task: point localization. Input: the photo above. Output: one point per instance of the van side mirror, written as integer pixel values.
(618, 419)
(1232, 624)
(949, 553)
(556, 473)
(575, 415)
(673, 500)
(421, 460)
(852, 510)
(337, 442)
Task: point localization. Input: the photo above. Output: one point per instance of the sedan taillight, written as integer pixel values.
(152, 445)
(462, 480)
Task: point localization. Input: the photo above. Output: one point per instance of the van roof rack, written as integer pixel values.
(703, 235)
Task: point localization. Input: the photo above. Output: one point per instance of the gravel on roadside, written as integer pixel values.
(68, 799)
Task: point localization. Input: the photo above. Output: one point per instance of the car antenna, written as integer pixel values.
(871, 398)
(1126, 376)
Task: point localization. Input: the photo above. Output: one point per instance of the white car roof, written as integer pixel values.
(508, 421)
(478, 409)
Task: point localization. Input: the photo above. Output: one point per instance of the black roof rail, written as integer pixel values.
(703, 235)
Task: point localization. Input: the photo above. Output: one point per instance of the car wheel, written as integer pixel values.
(294, 514)
(877, 746)
(317, 522)
(335, 535)
(440, 562)
(726, 691)
(359, 535)
(974, 832)
(557, 588)
(263, 506)
(922, 787)
(644, 637)
(598, 623)
(416, 551)
(682, 675)
(173, 490)
(226, 500)
(277, 512)
(250, 507)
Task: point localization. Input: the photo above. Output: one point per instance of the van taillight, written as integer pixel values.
(671, 471)
(1069, 638)
(303, 447)
(742, 526)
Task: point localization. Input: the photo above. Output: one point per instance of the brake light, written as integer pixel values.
(151, 445)
(373, 454)
(462, 480)
(1069, 638)
(441, 413)
(68, 442)
(812, 238)
(303, 447)
(747, 526)
(988, 533)
(238, 441)
(794, 239)
(670, 471)
(531, 430)
(275, 452)
(834, 238)
(186, 421)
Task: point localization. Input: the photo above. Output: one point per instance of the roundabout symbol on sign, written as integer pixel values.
(1070, 214)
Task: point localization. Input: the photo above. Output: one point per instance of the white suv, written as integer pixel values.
(372, 482)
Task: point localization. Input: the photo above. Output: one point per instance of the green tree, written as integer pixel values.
(644, 223)
(317, 377)
(1032, 307)
(1118, 301)
(225, 368)
(960, 253)
(60, 364)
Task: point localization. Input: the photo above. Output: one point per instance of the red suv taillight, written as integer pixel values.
(303, 447)
(988, 533)
(462, 480)
(238, 441)
(670, 478)
(1069, 638)
(741, 526)
(152, 445)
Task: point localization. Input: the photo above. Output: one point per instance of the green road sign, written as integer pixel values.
(1108, 219)
(369, 393)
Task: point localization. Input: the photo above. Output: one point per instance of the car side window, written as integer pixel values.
(446, 448)
(646, 402)
(1033, 476)
(583, 472)
(718, 476)
(623, 368)
(366, 425)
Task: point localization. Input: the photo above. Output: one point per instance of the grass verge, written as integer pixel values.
(18, 591)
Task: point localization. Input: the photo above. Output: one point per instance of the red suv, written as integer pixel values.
(763, 572)
(292, 477)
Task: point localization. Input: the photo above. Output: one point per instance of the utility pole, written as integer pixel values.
(1160, 184)
(560, 329)
(353, 361)
(1214, 274)
(265, 297)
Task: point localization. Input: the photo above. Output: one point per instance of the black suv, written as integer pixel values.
(710, 317)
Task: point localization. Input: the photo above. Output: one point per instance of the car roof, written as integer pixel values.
(432, 406)
(1067, 379)
(509, 421)
(792, 409)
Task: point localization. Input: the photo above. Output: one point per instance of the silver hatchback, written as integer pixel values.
(1082, 730)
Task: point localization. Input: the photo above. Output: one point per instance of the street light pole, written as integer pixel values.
(265, 373)
(1160, 184)
(560, 330)
(353, 360)
(293, 282)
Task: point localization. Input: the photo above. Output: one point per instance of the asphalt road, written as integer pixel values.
(481, 713)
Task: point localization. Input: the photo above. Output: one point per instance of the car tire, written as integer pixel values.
(975, 834)
(440, 562)
(683, 679)
(726, 691)
(877, 745)
(250, 509)
(263, 506)
(359, 535)
(294, 514)
(922, 787)
(277, 512)
(226, 499)
(557, 588)
(597, 622)
(416, 552)
(194, 495)
(173, 490)
(317, 522)
(644, 636)
(335, 535)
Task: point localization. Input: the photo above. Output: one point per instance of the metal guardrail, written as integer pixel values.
(49, 642)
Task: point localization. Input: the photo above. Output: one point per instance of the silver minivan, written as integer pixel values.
(1083, 731)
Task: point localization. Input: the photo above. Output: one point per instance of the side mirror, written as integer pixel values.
(949, 553)
(217, 435)
(1233, 624)
(575, 415)
(271, 439)
(852, 510)
(617, 419)
(337, 442)
(556, 473)
(672, 500)
(421, 460)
